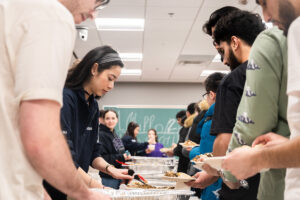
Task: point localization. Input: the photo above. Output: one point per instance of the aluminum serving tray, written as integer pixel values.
(150, 169)
(142, 194)
(134, 194)
(153, 160)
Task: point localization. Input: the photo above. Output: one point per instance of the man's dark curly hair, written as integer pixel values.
(215, 16)
(213, 81)
(242, 24)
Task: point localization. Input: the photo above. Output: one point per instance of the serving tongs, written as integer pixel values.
(136, 177)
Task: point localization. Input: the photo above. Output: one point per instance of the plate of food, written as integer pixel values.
(189, 144)
(139, 185)
(198, 161)
(177, 177)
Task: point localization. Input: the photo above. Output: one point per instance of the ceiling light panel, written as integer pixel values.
(120, 24)
(133, 57)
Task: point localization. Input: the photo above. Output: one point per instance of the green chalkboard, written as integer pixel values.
(161, 119)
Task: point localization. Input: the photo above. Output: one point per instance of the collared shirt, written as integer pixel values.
(293, 90)
(36, 42)
(264, 104)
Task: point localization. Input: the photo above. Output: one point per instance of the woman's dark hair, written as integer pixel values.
(180, 114)
(110, 110)
(130, 129)
(155, 133)
(81, 73)
(212, 82)
(215, 16)
(101, 113)
(191, 108)
(242, 24)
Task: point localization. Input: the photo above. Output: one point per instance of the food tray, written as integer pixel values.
(150, 169)
(146, 194)
(153, 160)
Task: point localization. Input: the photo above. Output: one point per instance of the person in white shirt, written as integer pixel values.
(37, 38)
(278, 152)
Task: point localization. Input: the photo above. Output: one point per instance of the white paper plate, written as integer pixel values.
(198, 165)
(215, 162)
(178, 179)
(188, 146)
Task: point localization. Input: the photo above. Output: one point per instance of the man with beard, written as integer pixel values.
(234, 46)
(282, 153)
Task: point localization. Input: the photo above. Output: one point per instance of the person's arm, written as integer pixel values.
(89, 181)
(100, 164)
(253, 160)
(221, 144)
(45, 147)
(135, 146)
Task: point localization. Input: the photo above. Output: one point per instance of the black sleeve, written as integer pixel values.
(178, 149)
(97, 145)
(134, 146)
(108, 153)
(66, 118)
(227, 103)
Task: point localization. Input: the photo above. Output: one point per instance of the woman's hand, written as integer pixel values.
(126, 156)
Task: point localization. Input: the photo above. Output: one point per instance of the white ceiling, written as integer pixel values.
(165, 38)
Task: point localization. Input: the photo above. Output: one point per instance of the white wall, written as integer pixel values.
(153, 94)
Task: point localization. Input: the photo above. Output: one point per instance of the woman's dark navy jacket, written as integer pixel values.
(112, 148)
(135, 148)
(79, 123)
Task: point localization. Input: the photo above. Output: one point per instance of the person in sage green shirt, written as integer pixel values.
(263, 107)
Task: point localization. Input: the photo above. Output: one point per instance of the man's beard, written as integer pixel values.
(233, 62)
(287, 15)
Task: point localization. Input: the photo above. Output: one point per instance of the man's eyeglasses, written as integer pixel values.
(101, 4)
(204, 95)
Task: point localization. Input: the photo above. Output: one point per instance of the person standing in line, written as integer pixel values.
(234, 45)
(37, 38)
(279, 152)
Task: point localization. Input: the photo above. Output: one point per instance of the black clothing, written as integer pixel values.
(79, 123)
(135, 148)
(183, 162)
(112, 148)
(193, 135)
(229, 95)
(241, 194)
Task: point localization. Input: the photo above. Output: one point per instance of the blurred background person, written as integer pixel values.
(203, 129)
(154, 144)
(112, 148)
(130, 141)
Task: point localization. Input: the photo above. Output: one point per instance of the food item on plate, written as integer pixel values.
(189, 143)
(147, 186)
(199, 158)
(177, 174)
(164, 150)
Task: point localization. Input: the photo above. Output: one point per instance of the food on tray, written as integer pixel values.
(189, 143)
(177, 174)
(199, 158)
(147, 186)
